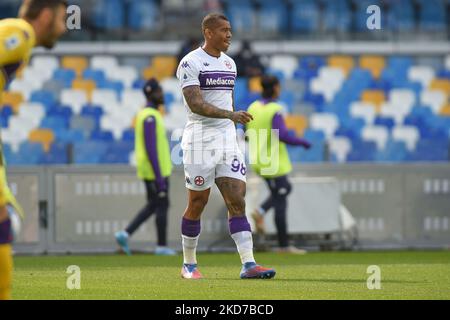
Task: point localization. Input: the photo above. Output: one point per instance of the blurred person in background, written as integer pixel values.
(248, 63)
(267, 116)
(154, 167)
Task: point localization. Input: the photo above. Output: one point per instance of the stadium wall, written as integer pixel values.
(77, 209)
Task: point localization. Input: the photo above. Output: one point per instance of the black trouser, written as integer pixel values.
(155, 204)
(280, 188)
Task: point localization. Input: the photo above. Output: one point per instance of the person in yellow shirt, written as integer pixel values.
(40, 23)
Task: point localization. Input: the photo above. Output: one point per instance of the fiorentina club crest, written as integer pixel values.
(228, 64)
(199, 181)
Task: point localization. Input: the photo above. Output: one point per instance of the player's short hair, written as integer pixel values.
(211, 20)
(268, 84)
(32, 8)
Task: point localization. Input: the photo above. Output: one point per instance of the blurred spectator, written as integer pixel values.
(247, 62)
(190, 45)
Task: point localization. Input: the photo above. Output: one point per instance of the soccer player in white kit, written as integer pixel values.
(210, 149)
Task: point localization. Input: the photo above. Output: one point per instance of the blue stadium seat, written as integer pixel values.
(362, 151)
(432, 15)
(102, 135)
(117, 86)
(70, 136)
(389, 123)
(29, 154)
(47, 98)
(395, 151)
(128, 135)
(241, 15)
(89, 152)
(118, 152)
(273, 17)
(108, 14)
(96, 75)
(65, 76)
(55, 123)
(143, 14)
(401, 16)
(304, 16)
(58, 154)
(430, 151)
(336, 15)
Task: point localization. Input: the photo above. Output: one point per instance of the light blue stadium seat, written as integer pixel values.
(395, 151)
(58, 154)
(70, 136)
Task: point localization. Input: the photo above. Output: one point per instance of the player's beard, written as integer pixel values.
(50, 40)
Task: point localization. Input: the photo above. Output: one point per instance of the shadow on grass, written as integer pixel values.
(278, 280)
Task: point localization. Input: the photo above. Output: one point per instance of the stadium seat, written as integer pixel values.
(441, 85)
(445, 111)
(50, 63)
(296, 122)
(285, 63)
(103, 62)
(343, 62)
(172, 85)
(42, 136)
(143, 15)
(407, 134)
(340, 147)
(12, 99)
(377, 134)
(325, 122)
(65, 76)
(376, 97)
(375, 64)
(394, 151)
(305, 16)
(435, 99)
(76, 63)
(422, 74)
(273, 17)
(88, 86)
(363, 110)
(58, 154)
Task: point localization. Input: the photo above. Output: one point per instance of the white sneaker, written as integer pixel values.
(290, 249)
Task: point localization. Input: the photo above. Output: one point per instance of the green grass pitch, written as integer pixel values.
(322, 275)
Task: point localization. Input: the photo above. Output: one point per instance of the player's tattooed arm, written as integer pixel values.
(196, 103)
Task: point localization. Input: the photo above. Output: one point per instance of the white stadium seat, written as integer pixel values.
(363, 110)
(126, 74)
(402, 97)
(325, 122)
(396, 112)
(172, 85)
(32, 110)
(104, 97)
(284, 63)
(73, 98)
(422, 74)
(434, 99)
(50, 63)
(133, 99)
(103, 62)
(340, 147)
(407, 134)
(377, 134)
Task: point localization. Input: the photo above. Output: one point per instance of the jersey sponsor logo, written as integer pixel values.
(217, 80)
(199, 181)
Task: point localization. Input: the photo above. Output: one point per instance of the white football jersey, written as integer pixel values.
(216, 78)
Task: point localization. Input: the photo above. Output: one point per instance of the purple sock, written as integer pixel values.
(190, 228)
(5, 232)
(238, 224)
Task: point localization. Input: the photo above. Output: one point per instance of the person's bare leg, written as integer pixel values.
(233, 192)
(190, 229)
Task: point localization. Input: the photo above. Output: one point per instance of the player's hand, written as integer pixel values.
(161, 187)
(306, 145)
(241, 117)
(15, 221)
